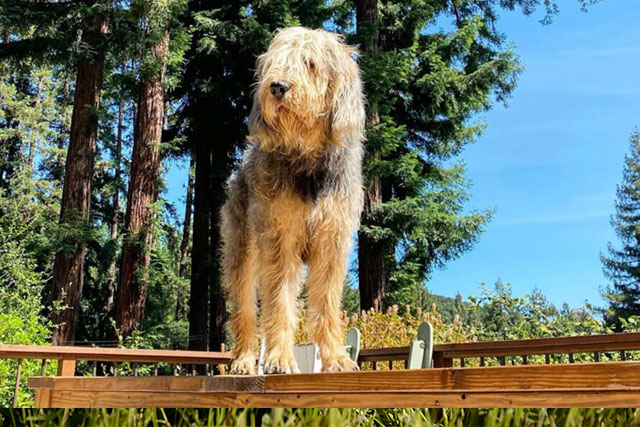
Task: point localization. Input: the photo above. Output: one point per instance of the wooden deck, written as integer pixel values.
(612, 384)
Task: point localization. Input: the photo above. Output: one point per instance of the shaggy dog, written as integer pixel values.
(295, 199)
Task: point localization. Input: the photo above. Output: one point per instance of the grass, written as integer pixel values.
(320, 417)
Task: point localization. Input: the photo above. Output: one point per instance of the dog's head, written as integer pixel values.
(308, 93)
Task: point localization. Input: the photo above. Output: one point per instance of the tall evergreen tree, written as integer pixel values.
(145, 172)
(622, 266)
(424, 87)
(158, 19)
(68, 268)
(372, 275)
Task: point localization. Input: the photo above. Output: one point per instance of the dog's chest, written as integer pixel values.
(305, 179)
(309, 185)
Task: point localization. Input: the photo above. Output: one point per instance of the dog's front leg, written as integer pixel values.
(280, 280)
(328, 256)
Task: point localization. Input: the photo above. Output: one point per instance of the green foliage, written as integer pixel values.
(21, 281)
(620, 266)
(321, 417)
(425, 87)
(500, 315)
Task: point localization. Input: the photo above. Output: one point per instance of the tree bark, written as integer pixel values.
(217, 304)
(145, 171)
(68, 266)
(372, 275)
(200, 251)
(186, 233)
(115, 226)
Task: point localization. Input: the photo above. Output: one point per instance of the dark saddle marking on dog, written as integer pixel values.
(309, 184)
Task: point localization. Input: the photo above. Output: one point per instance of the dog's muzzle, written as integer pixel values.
(279, 88)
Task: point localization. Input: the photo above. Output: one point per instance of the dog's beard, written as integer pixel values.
(294, 131)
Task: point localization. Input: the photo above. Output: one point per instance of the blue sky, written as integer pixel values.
(550, 161)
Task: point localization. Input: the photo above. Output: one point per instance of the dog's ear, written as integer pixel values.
(256, 122)
(258, 129)
(347, 105)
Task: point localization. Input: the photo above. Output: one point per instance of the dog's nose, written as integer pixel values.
(279, 88)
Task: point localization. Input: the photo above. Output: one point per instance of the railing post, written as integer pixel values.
(43, 367)
(17, 389)
(439, 361)
(67, 366)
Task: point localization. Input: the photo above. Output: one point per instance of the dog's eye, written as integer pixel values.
(310, 64)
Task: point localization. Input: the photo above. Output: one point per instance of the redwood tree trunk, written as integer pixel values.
(200, 251)
(217, 305)
(67, 274)
(372, 275)
(145, 171)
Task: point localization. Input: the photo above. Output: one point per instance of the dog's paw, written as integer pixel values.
(243, 366)
(281, 365)
(340, 364)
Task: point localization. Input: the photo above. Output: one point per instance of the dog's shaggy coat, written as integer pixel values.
(296, 199)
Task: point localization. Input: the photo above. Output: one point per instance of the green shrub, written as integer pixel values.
(21, 285)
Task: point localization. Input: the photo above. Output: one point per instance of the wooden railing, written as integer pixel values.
(585, 385)
(68, 357)
(444, 355)
(514, 351)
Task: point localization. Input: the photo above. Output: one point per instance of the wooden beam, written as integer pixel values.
(561, 345)
(443, 353)
(383, 354)
(614, 384)
(43, 398)
(584, 375)
(228, 383)
(530, 377)
(112, 354)
(424, 398)
(67, 366)
(439, 360)
(17, 387)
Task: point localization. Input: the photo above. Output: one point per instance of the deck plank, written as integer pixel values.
(414, 399)
(225, 383)
(587, 375)
(612, 384)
